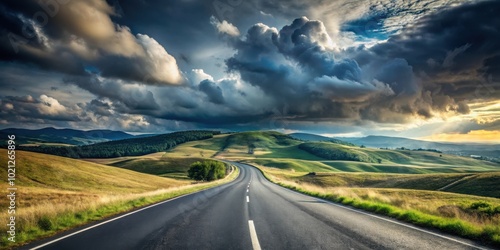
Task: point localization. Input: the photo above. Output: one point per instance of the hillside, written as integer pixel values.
(55, 193)
(313, 137)
(59, 174)
(259, 140)
(127, 147)
(161, 164)
(284, 152)
(64, 136)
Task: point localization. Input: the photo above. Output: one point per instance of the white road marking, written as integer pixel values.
(248, 199)
(385, 219)
(253, 236)
(247, 190)
(117, 218)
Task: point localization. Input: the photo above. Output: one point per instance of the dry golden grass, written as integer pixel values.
(471, 216)
(36, 203)
(56, 193)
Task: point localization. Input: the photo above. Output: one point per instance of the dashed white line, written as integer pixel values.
(247, 190)
(248, 199)
(253, 236)
(110, 220)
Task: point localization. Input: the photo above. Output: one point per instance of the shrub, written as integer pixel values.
(207, 170)
(45, 223)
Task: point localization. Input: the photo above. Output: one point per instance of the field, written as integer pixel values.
(458, 195)
(422, 187)
(277, 150)
(57, 193)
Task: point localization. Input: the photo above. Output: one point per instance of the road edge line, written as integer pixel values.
(391, 220)
(122, 216)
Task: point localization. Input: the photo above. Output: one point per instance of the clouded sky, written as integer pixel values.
(422, 69)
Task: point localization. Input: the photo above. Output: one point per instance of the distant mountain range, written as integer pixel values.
(64, 136)
(486, 150)
(80, 137)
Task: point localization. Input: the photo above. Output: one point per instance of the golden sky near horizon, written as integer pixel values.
(473, 136)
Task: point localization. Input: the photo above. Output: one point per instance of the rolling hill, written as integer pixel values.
(314, 137)
(487, 151)
(49, 172)
(282, 151)
(126, 147)
(64, 136)
(57, 193)
(273, 149)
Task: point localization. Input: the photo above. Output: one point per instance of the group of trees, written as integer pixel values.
(127, 147)
(208, 170)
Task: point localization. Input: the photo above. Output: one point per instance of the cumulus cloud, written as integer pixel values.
(82, 33)
(208, 101)
(357, 19)
(30, 109)
(313, 69)
(155, 66)
(296, 66)
(198, 75)
(224, 27)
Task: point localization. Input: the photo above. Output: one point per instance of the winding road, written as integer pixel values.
(250, 213)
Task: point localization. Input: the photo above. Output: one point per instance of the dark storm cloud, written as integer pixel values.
(200, 103)
(424, 71)
(182, 27)
(18, 32)
(134, 97)
(454, 51)
(213, 92)
(297, 73)
(399, 75)
(446, 60)
(69, 36)
(99, 107)
(297, 67)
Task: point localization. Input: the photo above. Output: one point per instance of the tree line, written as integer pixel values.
(127, 147)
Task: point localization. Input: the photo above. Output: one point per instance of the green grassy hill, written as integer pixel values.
(260, 140)
(173, 167)
(273, 149)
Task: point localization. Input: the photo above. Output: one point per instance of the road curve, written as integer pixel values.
(250, 213)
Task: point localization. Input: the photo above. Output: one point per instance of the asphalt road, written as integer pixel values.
(250, 213)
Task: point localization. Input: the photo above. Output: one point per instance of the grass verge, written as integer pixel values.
(478, 220)
(41, 223)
